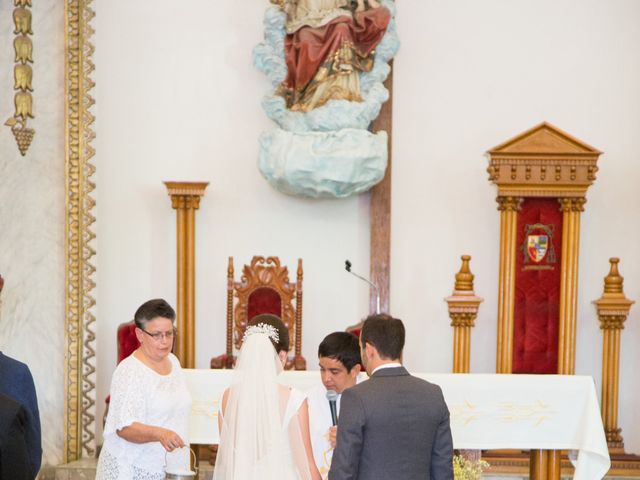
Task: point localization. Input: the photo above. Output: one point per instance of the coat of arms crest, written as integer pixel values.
(537, 247)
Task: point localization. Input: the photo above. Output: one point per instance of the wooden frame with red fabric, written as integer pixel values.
(264, 287)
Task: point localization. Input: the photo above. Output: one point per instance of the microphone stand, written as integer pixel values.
(347, 267)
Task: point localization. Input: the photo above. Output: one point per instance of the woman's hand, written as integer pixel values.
(169, 439)
(141, 433)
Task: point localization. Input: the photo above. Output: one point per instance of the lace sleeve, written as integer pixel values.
(128, 404)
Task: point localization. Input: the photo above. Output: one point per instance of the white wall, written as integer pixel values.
(32, 202)
(178, 99)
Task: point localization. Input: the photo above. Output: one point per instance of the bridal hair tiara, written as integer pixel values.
(268, 330)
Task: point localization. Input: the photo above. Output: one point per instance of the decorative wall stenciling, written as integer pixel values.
(80, 337)
(22, 75)
(326, 61)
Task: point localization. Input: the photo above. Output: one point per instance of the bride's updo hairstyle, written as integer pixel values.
(283, 332)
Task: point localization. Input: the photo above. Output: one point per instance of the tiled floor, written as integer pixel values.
(85, 469)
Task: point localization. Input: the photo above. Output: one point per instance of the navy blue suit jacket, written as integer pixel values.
(14, 458)
(16, 382)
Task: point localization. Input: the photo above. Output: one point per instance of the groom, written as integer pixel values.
(393, 426)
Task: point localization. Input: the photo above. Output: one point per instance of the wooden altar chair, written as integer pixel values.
(264, 287)
(355, 329)
(127, 341)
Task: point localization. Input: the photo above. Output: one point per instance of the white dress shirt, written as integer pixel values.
(386, 365)
(319, 424)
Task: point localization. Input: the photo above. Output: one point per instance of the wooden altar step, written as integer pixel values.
(515, 464)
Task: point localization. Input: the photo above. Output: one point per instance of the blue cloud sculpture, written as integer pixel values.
(326, 151)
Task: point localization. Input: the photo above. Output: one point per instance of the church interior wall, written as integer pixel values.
(32, 210)
(469, 76)
(178, 99)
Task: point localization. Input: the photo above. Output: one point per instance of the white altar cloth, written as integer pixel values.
(488, 411)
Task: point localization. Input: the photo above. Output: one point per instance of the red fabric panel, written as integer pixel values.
(127, 341)
(308, 48)
(537, 289)
(355, 332)
(264, 300)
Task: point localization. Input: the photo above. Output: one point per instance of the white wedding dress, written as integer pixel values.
(261, 437)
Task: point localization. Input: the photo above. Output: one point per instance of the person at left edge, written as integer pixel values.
(14, 455)
(17, 383)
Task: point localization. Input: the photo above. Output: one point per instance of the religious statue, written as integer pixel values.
(327, 43)
(327, 61)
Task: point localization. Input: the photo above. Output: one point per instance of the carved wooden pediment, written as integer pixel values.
(544, 161)
(544, 139)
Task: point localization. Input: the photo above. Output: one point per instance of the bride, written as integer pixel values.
(264, 426)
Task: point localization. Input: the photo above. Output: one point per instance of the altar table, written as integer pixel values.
(488, 411)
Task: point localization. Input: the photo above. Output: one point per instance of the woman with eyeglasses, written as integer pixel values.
(150, 403)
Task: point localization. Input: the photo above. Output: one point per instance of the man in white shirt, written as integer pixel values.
(340, 364)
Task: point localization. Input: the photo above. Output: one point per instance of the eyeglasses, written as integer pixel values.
(157, 336)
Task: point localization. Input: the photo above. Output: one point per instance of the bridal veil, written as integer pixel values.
(260, 436)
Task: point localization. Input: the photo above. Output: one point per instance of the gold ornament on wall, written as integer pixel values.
(24, 49)
(23, 75)
(80, 337)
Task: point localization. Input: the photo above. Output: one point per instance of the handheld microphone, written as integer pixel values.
(347, 267)
(332, 396)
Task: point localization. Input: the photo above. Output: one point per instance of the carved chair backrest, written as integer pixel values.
(264, 287)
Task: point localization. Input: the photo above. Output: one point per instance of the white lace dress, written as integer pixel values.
(139, 394)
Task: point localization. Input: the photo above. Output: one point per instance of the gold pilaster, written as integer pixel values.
(185, 199)
(463, 310)
(613, 309)
(508, 207)
(79, 408)
(571, 209)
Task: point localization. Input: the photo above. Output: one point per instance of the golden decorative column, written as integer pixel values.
(508, 207)
(613, 309)
(571, 209)
(185, 199)
(463, 310)
(80, 343)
